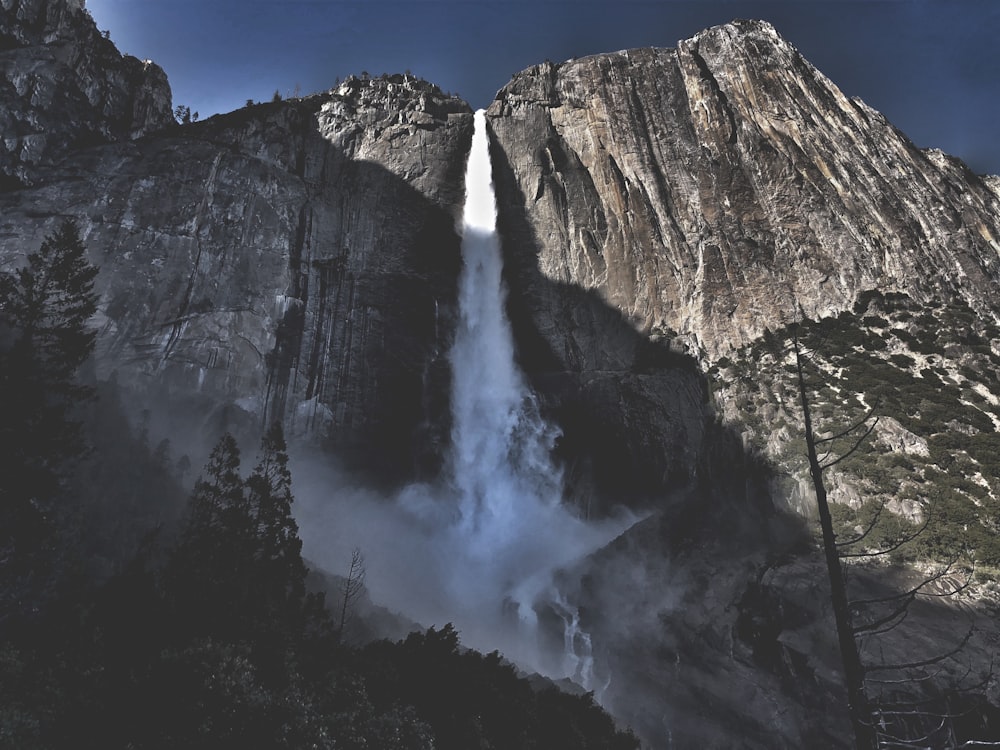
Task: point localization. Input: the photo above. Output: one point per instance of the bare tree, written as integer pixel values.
(354, 586)
(854, 673)
(881, 723)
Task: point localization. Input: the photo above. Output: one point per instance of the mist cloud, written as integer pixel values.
(480, 548)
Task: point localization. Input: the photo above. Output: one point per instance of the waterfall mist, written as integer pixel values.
(480, 547)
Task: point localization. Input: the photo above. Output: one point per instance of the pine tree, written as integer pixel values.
(48, 304)
(209, 575)
(218, 506)
(236, 573)
(44, 339)
(279, 571)
(44, 311)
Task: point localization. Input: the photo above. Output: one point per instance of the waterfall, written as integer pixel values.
(480, 547)
(500, 449)
(577, 648)
(508, 489)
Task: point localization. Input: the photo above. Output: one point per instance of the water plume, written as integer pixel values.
(480, 547)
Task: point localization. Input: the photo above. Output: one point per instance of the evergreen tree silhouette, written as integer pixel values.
(279, 573)
(210, 570)
(45, 307)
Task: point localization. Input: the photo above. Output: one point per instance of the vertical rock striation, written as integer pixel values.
(726, 186)
(292, 260)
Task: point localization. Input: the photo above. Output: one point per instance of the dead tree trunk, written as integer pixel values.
(353, 587)
(854, 673)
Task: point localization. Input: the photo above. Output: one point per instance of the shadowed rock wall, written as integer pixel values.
(294, 260)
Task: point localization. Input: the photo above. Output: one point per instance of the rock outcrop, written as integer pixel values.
(64, 85)
(726, 187)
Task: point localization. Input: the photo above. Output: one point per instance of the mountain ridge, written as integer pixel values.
(770, 195)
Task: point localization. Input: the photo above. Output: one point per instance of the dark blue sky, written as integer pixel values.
(931, 66)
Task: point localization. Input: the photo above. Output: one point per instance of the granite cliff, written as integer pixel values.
(287, 261)
(668, 214)
(725, 187)
(64, 85)
(665, 215)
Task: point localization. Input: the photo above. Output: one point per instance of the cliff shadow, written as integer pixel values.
(329, 304)
(663, 602)
(362, 359)
(637, 424)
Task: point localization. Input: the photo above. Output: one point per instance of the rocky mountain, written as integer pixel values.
(667, 215)
(699, 202)
(66, 86)
(724, 187)
(287, 261)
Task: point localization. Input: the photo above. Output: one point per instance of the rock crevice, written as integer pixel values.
(742, 189)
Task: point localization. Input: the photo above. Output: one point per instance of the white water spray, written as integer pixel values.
(480, 549)
(500, 461)
(577, 648)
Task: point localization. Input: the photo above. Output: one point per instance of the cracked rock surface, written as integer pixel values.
(725, 187)
(292, 260)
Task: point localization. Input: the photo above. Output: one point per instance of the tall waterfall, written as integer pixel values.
(480, 547)
(513, 527)
(500, 445)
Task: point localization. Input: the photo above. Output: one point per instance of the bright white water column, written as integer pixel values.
(512, 532)
(480, 547)
(500, 446)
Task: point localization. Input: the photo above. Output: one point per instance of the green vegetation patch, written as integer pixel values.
(912, 363)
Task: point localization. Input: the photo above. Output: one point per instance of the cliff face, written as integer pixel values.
(666, 214)
(725, 187)
(293, 261)
(63, 85)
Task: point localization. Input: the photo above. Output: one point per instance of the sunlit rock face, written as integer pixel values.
(294, 260)
(661, 202)
(726, 186)
(63, 86)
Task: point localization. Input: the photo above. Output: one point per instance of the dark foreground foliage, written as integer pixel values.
(130, 618)
(212, 641)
